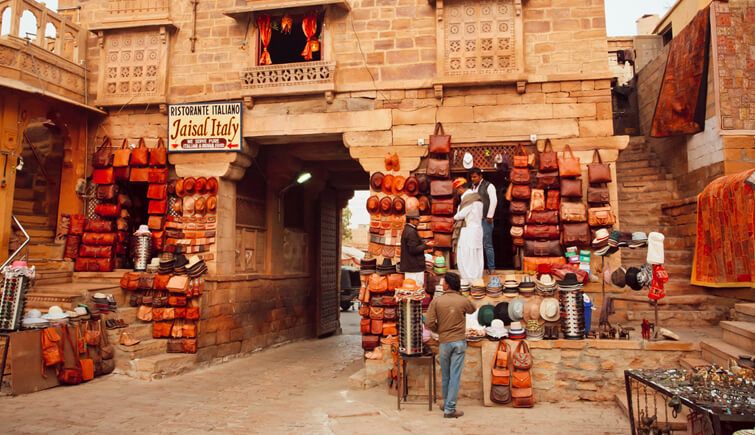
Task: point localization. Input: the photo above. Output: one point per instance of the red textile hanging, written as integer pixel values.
(263, 22)
(309, 26)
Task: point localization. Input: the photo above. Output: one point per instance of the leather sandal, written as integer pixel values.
(109, 324)
(127, 339)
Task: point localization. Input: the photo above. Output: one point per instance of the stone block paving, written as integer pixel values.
(300, 387)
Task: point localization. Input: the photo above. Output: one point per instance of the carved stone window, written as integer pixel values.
(480, 41)
(134, 67)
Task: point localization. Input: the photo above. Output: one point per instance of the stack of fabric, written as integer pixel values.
(494, 288)
(477, 291)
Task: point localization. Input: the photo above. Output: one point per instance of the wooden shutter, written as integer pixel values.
(327, 309)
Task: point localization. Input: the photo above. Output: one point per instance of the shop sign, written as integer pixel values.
(201, 127)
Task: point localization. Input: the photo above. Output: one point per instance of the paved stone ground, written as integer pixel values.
(296, 388)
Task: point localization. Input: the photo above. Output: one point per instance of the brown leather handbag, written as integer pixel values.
(521, 159)
(98, 226)
(98, 238)
(439, 141)
(395, 280)
(537, 200)
(518, 220)
(598, 172)
(103, 176)
(425, 234)
(571, 187)
(442, 224)
(442, 240)
(107, 192)
(390, 328)
(158, 175)
(140, 154)
(157, 207)
(573, 212)
(122, 173)
(568, 166)
(521, 191)
(376, 326)
(108, 210)
(155, 222)
(552, 200)
(547, 160)
(522, 398)
(520, 176)
(122, 156)
(158, 156)
(390, 313)
(376, 313)
(600, 216)
(546, 217)
(157, 191)
(378, 283)
(146, 281)
(518, 207)
(441, 188)
(500, 381)
(598, 195)
(364, 326)
(443, 207)
(438, 168)
(575, 234)
(71, 250)
(547, 180)
(537, 232)
(370, 342)
(103, 157)
(542, 248)
(139, 175)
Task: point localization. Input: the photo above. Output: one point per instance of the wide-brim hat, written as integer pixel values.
(411, 186)
(398, 185)
(601, 236)
(412, 204)
(399, 207)
(545, 282)
(190, 185)
(212, 204)
(387, 184)
(188, 205)
(193, 261)
(212, 186)
(412, 213)
(200, 205)
(82, 312)
(516, 309)
(638, 239)
(423, 182)
(570, 279)
(409, 284)
(618, 277)
(550, 309)
(180, 261)
(180, 191)
(373, 204)
(631, 279)
(467, 161)
(496, 329)
(200, 186)
(485, 315)
(424, 204)
(54, 313)
(387, 267)
(386, 205)
(376, 181)
(532, 308)
(501, 311)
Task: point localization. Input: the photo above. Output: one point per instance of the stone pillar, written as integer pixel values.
(9, 142)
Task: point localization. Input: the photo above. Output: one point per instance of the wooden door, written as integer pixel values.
(328, 261)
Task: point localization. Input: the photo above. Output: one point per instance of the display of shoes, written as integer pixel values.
(128, 340)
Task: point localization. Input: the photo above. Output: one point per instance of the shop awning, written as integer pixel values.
(25, 87)
(269, 5)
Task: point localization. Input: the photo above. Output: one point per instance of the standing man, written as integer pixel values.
(486, 190)
(468, 226)
(413, 250)
(446, 316)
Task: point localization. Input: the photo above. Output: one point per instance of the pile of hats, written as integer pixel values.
(477, 291)
(550, 311)
(516, 332)
(465, 287)
(104, 302)
(386, 267)
(601, 238)
(167, 261)
(154, 265)
(510, 286)
(55, 316)
(496, 330)
(546, 285)
(34, 320)
(196, 267)
(440, 265)
(409, 290)
(526, 287)
(368, 265)
(494, 288)
(639, 277)
(535, 328)
(179, 266)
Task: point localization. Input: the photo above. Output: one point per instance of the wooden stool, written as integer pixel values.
(403, 388)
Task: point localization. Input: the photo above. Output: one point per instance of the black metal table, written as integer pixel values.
(715, 417)
(403, 388)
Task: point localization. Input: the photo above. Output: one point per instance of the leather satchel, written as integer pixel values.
(158, 156)
(521, 379)
(71, 250)
(157, 191)
(395, 280)
(144, 313)
(376, 313)
(598, 172)
(107, 192)
(598, 195)
(442, 224)
(547, 160)
(122, 173)
(520, 176)
(98, 226)
(530, 264)
(140, 155)
(600, 216)
(364, 326)
(158, 175)
(178, 284)
(390, 313)
(139, 175)
(575, 234)
(157, 207)
(104, 239)
(542, 248)
(122, 156)
(438, 168)
(370, 342)
(78, 222)
(443, 207)
(521, 191)
(522, 398)
(522, 358)
(571, 188)
(155, 222)
(518, 220)
(537, 200)
(518, 207)
(542, 217)
(568, 166)
(442, 240)
(108, 210)
(521, 159)
(103, 176)
(439, 141)
(547, 180)
(441, 188)
(573, 212)
(103, 157)
(390, 328)
(539, 232)
(552, 200)
(376, 326)
(378, 283)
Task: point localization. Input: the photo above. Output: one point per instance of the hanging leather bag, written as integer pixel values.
(521, 191)
(542, 248)
(441, 224)
(521, 379)
(140, 154)
(573, 212)
(520, 176)
(571, 188)
(547, 180)
(158, 175)
(443, 207)
(518, 220)
(442, 240)
(439, 141)
(522, 358)
(103, 157)
(158, 156)
(438, 168)
(537, 200)
(103, 176)
(600, 216)
(104, 239)
(539, 232)
(598, 172)
(122, 156)
(70, 375)
(518, 207)
(139, 175)
(98, 226)
(107, 192)
(500, 382)
(547, 160)
(575, 234)
(542, 217)
(157, 191)
(521, 159)
(108, 210)
(441, 188)
(568, 166)
(598, 195)
(378, 283)
(552, 200)
(157, 207)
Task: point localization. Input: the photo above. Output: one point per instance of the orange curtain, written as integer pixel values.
(309, 26)
(263, 22)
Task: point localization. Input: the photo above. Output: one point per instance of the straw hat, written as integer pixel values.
(516, 309)
(54, 313)
(532, 308)
(549, 309)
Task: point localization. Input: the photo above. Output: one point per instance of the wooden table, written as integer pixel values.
(403, 387)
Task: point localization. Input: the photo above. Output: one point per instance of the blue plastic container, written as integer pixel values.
(588, 312)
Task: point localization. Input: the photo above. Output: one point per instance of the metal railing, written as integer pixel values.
(20, 248)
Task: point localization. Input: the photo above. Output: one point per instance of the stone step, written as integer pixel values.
(43, 302)
(637, 173)
(140, 331)
(720, 352)
(678, 423)
(157, 366)
(23, 206)
(148, 347)
(693, 363)
(677, 317)
(745, 311)
(637, 164)
(32, 219)
(645, 197)
(642, 187)
(740, 334)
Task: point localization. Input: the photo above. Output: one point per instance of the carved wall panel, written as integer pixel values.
(134, 69)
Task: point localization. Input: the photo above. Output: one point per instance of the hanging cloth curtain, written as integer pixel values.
(309, 26)
(263, 22)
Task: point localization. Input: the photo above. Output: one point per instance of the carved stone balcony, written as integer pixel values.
(289, 79)
(49, 62)
(134, 13)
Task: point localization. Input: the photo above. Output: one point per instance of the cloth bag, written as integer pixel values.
(655, 248)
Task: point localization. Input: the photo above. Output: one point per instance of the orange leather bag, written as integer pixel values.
(378, 283)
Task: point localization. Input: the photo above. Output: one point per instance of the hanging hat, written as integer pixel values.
(532, 308)
(201, 185)
(399, 207)
(386, 206)
(496, 330)
(212, 186)
(413, 214)
(570, 279)
(424, 183)
(601, 237)
(376, 181)
(501, 311)
(485, 315)
(386, 268)
(516, 309)
(180, 191)
(368, 266)
(411, 187)
(412, 204)
(200, 205)
(188, 204)
(639, 239)
(373, 204)
(387, 185)
(631, 278)
(467, 161)
(458, 182)
(424, 204)
(212, 204)
(398, 185)
(550, 310)
(178, 205)
(190, 185)
(618, 277)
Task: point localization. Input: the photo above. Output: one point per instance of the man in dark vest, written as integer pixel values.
(413, 250)
(486, 190)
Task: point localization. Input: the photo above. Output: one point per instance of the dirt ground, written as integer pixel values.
(300, 387)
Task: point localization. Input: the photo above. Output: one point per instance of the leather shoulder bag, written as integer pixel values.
(547, 180)
(521, 191)
(575, 234)
(500, 382)
(573, 212)
(598, 172)
(542, 248)
(520, 176)
(438, 168)
(158, 156)
(539, 232)
(439, 141)
(521, 159)
(518, 207)
(568, 166)
(598, 195)
(140, 155)
(600, 216)
(441, 224)
(547, 160)
(103, 157)
(441, 188)
(443, 207)
(571, 188)
(546, 217)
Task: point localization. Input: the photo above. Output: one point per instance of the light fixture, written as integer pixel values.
(301, 179)
(304, 177)
(20, 163)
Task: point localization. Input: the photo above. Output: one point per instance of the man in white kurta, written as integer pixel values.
(469, 252)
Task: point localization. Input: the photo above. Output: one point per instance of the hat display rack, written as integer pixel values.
(392, 195)
(16, 278)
